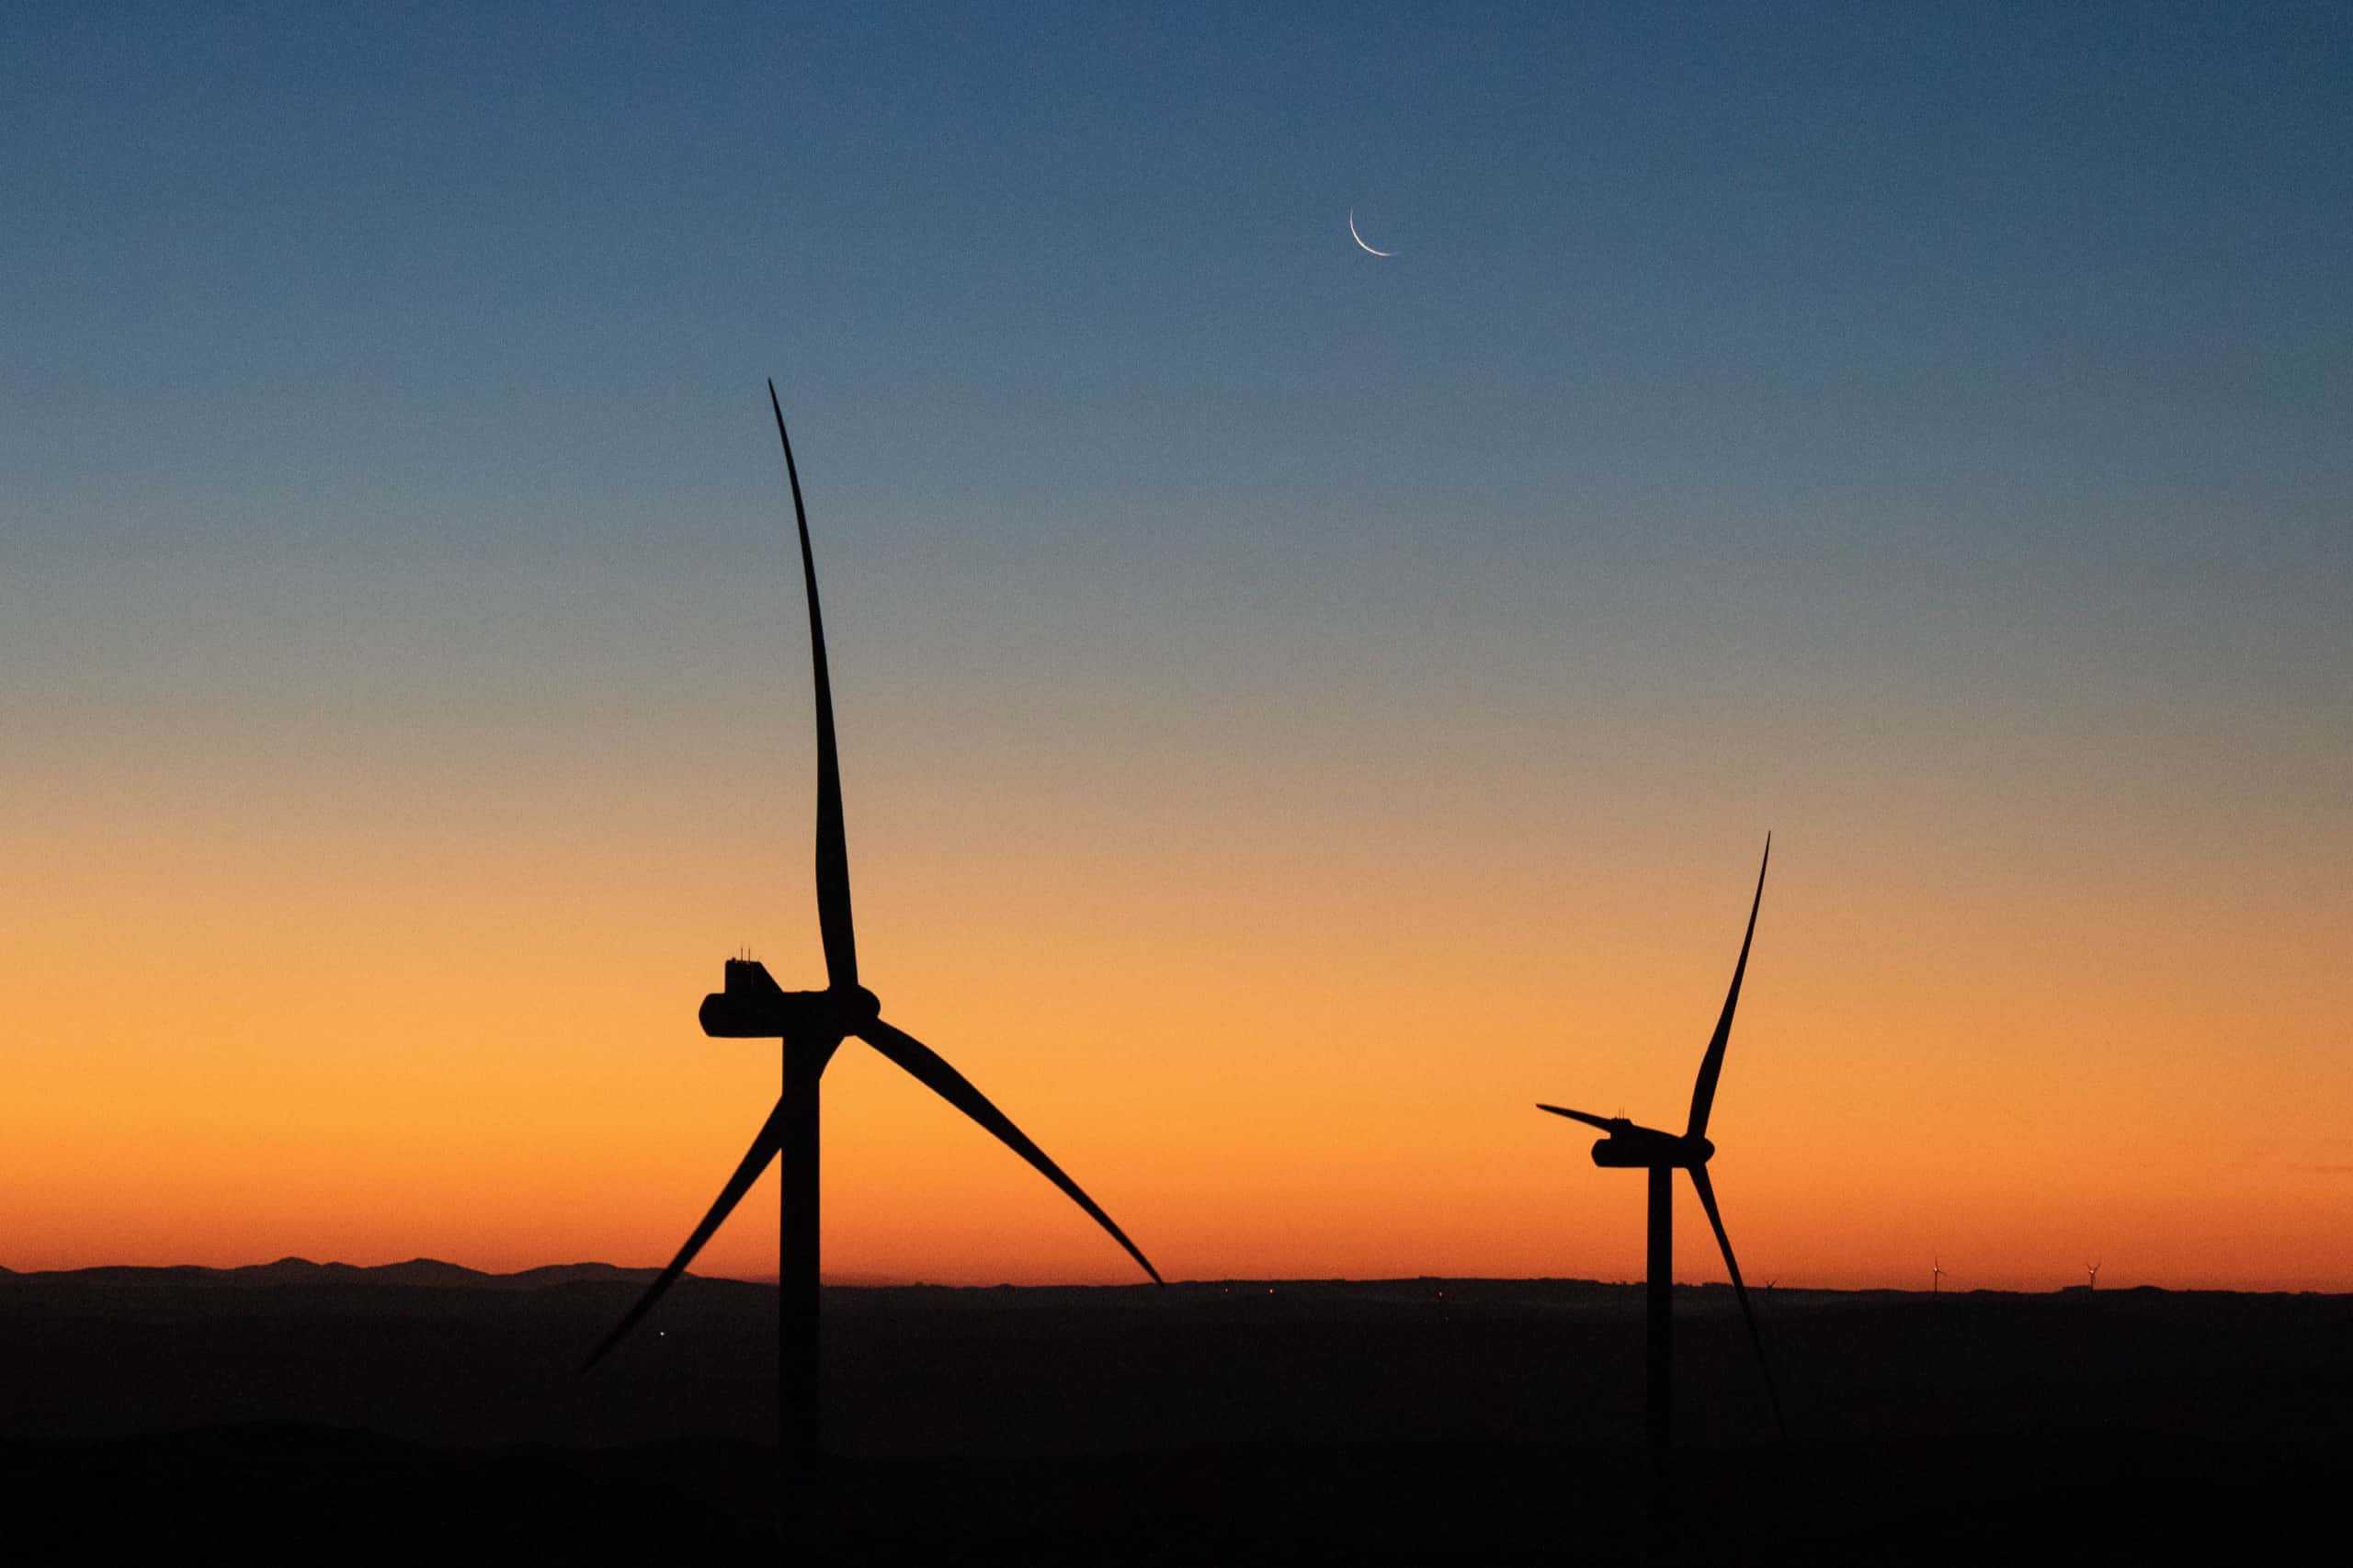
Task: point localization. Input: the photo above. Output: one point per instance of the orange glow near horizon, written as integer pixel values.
(1306, 1048)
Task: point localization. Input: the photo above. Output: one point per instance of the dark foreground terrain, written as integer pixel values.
(296, 1413)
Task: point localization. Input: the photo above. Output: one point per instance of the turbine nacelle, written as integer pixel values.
(752, 1005)
(1632, 1147)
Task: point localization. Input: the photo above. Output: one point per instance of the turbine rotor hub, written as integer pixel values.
(855, 1007)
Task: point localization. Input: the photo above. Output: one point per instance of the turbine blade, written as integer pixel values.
(756, 1159)
(926, 1067)
(832, 846)
(1586, 1116)
(1708, 1201)
(1703, 1093)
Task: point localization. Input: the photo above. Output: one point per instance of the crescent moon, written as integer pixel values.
(1359, 238)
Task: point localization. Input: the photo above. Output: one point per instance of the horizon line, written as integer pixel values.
(856, 1281)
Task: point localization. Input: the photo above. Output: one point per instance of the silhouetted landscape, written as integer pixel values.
(293, 1408)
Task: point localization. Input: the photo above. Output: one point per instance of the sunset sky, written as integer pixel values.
(1298, 709)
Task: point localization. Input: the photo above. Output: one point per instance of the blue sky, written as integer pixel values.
(2001, 353)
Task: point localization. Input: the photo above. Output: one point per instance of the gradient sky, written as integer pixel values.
(1297, 710)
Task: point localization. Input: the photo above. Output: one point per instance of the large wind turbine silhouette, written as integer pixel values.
(813, 1025)
(1632, 1147)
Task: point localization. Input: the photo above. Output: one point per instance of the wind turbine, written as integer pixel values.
(1936, 1277)
(813, 1025)
(1631, 1147)
(2094, 1267)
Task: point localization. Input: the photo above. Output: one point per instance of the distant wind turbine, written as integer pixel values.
(2094, 1267)
(1936, 1277)
(813, 1025)
(1629, 1147)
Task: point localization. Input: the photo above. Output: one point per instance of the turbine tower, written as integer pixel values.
(1632, 1147)
(813, 1025)
(2094, 1267)
(1936, 1277)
